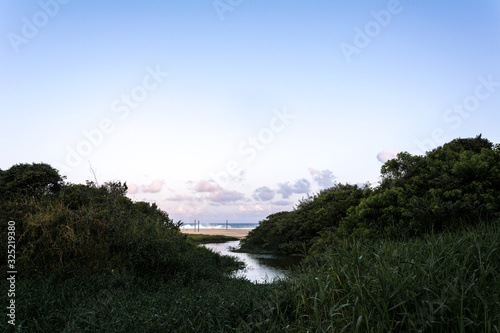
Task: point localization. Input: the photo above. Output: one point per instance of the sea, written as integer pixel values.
(234, 225)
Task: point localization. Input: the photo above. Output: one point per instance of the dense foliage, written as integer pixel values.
(73, 229)
(436, 283)
(25, 180)
(295, 231)
(449, 187)
(418, 253)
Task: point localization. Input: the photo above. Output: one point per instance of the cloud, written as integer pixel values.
(300, 186)
(282, 203)
(385, 156)
(264, 194)
(207, 186)
(323, 178)
(154, 187)
(180, 198)
(239, 177)
(216, 193)
(133, 189)
(225, 196)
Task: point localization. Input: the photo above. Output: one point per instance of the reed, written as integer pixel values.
(438, 283)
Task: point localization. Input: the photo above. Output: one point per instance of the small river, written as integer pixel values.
(260, 268)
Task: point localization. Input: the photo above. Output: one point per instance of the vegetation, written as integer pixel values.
(418, 253)
(205, 239)
(436, 283)
(452, 186)
(85, 229)
(295, 231)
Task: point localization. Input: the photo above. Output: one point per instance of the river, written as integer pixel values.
(260, 268)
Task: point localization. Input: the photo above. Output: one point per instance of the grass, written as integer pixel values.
(119, 303)
(204, 239)
(438, 283)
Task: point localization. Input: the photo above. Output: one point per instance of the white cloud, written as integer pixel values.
(323, 178)
(264, 194)
(180, 198)
(225, 196)
(215, 193)
(385, 156)
(300, 186)
(133, 189)
(206, 186)
(154, 187)
(282, 203)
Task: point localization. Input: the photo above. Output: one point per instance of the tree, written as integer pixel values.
(29, 180)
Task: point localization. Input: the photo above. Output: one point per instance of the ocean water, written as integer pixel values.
(220, 225)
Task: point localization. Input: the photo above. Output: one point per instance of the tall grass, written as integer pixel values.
(121, 303)
(440, 283)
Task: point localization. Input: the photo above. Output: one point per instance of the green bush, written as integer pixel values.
(85, 229)
(296, 231)
(29, 180)
(451, 186)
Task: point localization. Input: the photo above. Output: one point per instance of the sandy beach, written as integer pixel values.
(239, 233)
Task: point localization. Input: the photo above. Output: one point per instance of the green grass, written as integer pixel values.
(204, 239)
(119, 303)
(438, 283)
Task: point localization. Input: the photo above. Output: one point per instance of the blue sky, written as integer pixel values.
(235, 109)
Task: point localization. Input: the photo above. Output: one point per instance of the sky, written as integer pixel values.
(235, 109)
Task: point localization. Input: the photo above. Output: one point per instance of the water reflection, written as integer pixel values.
(260, 268)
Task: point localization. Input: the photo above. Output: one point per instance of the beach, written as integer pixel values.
(239, 233)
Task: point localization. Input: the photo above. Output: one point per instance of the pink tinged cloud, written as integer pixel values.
(385, 156)
(180, 198)
(216, 193)
(133, 189)
(206, 186)
(155, 187)
(224, 196)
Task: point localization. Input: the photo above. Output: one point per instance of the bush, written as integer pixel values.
(85, 229)
(296, 231)
(452, 186)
